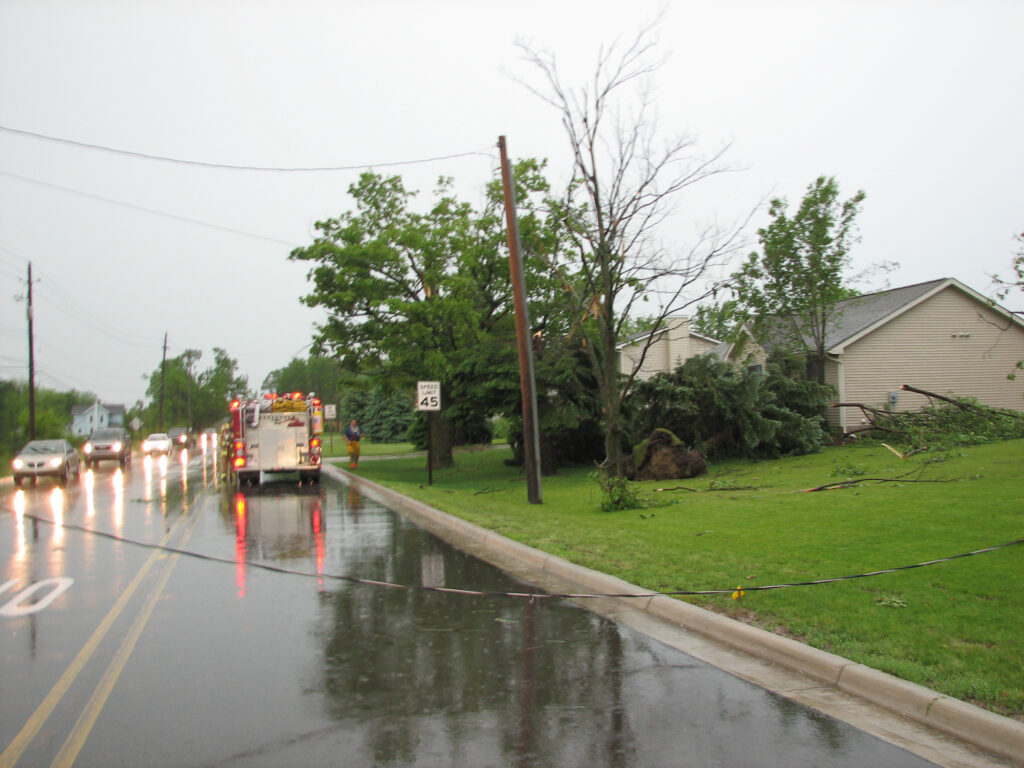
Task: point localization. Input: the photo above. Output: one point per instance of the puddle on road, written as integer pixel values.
(412, 677)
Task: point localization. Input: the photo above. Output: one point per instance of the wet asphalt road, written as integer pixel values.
(141, 627)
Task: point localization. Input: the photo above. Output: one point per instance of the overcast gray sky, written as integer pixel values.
(917, 103)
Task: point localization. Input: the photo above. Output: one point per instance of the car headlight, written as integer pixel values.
(116, 446)
(87, 448)
(18, 464)
(55, 462)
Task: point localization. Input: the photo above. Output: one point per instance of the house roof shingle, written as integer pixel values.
(856, 316)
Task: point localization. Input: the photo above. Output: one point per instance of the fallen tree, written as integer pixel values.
(945, 422)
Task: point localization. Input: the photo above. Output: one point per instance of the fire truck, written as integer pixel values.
(276, 437)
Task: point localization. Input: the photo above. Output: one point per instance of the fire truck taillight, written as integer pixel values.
(235, 404)
(239, 454)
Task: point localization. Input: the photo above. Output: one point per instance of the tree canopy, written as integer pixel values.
(792, 286)
(626, 182)
(190, 398)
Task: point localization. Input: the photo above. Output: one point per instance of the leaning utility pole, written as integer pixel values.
(31, 363)
(531, 443)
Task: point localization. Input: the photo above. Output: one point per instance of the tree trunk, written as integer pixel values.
(441, 440)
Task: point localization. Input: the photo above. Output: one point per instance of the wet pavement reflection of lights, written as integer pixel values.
(183, 457)
(147, 478)
(240, 549)
(90, 488)
(117, 480)
(21, 546)
(148, 471)
(57, 509)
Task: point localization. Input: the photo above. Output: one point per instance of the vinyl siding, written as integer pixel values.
(833, 377)
(949, 344)
(671, 347)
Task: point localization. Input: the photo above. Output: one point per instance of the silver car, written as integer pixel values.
(157, 443)
(47, 458)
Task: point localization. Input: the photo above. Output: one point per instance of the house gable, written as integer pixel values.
(952, 342)
(664, 349)
(86, 418)
(940, 336)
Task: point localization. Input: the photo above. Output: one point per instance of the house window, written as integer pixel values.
(754, 368)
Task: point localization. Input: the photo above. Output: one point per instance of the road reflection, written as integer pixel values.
(277, 524)
(415, 677)
(304, 631)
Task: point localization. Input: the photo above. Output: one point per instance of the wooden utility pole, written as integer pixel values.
(531, 433)
(31, 363)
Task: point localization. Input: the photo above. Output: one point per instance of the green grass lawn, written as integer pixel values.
(334, 446)
(955, 626)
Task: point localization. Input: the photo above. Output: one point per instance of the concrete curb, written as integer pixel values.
(974, 725)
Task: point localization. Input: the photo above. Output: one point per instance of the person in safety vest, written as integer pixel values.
(352, 434)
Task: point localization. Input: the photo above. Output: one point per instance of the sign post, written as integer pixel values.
(331, 414)
(428, 398)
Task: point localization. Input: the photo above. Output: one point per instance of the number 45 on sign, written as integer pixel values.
(428, 396)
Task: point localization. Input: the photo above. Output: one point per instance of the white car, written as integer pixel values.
(46, 458)
(158, 442)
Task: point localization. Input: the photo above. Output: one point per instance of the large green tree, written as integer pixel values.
(315, 373)
(408, 294)
(216, 386)
(185, 396)
(791, 287)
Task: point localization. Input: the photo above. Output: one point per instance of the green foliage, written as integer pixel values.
(792, 287)
(190, 398)
(617, 493)
(722, 321)
(941, 427)
(383, 414)
(722, 411)
(413, 295)
(314, 374)
(52, 411)
(468, 430)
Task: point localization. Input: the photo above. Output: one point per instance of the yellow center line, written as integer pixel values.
(10, 756)
(76, 739)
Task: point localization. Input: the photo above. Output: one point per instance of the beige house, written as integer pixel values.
(664, 349)
(939, 336)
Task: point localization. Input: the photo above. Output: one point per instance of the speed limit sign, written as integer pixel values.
(428, 396)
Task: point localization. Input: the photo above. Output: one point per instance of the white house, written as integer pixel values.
(86, 418)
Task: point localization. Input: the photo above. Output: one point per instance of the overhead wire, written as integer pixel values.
(498, 593)
(67, 301)
(233, 167)
(116, 336)
(153, 211)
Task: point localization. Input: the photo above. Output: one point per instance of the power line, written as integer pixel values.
(68, 302)
(231, 167)
(149, 210)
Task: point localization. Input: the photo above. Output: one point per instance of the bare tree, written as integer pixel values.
(625, 184)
